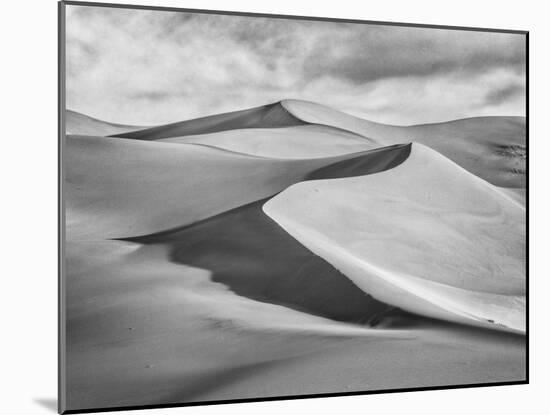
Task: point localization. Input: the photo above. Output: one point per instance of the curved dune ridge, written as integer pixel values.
(133, 187)
(410, 238)
(77, 123)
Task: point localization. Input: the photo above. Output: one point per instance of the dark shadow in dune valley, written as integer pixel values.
(256, 258)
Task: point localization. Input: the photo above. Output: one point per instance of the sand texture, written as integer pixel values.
(291, 249)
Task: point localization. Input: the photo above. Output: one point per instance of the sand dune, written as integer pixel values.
(519, 195)
(304, 141)
(256, 258)
(131, 188)
(209, 298)
(410, 238)
(492, 148)
(267, 116)
(76, 123)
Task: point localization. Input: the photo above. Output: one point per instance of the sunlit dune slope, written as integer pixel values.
(519, 195)
(119, 188)
(425, 236)
(304, 141)
(77, 123)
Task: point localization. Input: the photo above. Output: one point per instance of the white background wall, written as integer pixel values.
(28, 163)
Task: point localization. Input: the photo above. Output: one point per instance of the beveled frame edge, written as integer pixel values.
(287, 16)
(61, 303)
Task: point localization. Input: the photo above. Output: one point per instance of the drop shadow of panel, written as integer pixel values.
(48, 403)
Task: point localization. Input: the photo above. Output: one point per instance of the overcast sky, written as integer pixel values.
(149, 67)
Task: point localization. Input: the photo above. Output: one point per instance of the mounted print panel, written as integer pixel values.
(267, 207)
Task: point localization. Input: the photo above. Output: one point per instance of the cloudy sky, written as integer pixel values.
(149, 67)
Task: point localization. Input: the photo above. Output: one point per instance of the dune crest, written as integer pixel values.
(267, 116)
(452, 248)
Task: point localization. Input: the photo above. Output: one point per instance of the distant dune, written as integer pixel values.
(410, 238)
(76, 123)
(304, 141)
(268, 116)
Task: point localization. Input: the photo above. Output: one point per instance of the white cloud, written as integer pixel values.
(151, 67)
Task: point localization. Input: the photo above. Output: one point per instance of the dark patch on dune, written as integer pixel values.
(516, 154)
(517, 170)
(267, 116)
(514, 151)
(374, 161)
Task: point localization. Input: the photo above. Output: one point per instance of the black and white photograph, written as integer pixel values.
(268, 207)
